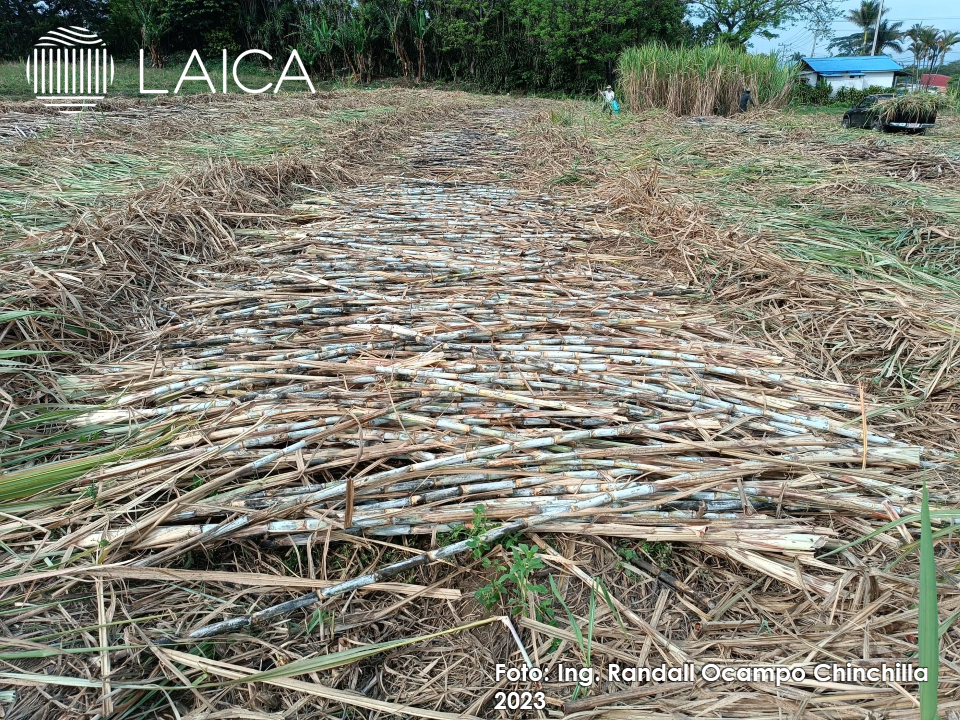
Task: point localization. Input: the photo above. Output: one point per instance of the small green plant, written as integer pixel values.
(585, 645)
(293, 562)
(321, 617)
(659, 552)
(513, 583)
(480, 526)
(929, 628)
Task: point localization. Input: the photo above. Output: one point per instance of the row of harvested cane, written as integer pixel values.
(417, 350)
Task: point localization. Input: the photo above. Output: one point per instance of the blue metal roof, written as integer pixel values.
(854, 64)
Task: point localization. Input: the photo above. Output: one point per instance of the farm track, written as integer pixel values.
(401, 352)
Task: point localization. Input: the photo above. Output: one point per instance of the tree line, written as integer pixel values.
(500, 45)
(563, 45)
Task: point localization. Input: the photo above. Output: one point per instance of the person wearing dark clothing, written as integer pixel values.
(744, 99)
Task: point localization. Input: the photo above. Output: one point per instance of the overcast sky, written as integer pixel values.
(942, 14)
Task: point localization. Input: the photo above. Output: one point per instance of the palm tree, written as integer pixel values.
(924, 48)
(861, 43)
(946, 43)
(888, 38)
(865, 17)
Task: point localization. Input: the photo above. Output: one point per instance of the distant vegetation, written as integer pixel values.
(561, 46)
(500, 45)
(567, 46)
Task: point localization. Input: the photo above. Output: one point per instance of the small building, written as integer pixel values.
(935, 83)
(858, 71)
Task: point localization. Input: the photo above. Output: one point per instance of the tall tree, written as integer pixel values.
(579, 36)
(861, 42)
(420, 23)
(317, 41)
(865, 17)
(472, 39)
(945, 43)
(153, 20)
(395, 17)
(736, 21)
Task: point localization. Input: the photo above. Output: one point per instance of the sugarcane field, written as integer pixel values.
(425, 359)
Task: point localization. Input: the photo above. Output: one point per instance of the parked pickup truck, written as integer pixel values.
(865, 115)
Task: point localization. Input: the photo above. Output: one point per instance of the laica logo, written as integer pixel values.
(70, 69)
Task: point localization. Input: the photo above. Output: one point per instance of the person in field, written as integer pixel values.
(746, 99)
(610, 104)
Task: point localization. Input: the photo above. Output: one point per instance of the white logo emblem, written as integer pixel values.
(70, 69)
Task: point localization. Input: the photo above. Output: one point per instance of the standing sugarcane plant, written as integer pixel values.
(701, 80)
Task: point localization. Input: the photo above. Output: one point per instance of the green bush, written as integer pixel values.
(819, 94)
(849, 96)
(806, 94)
